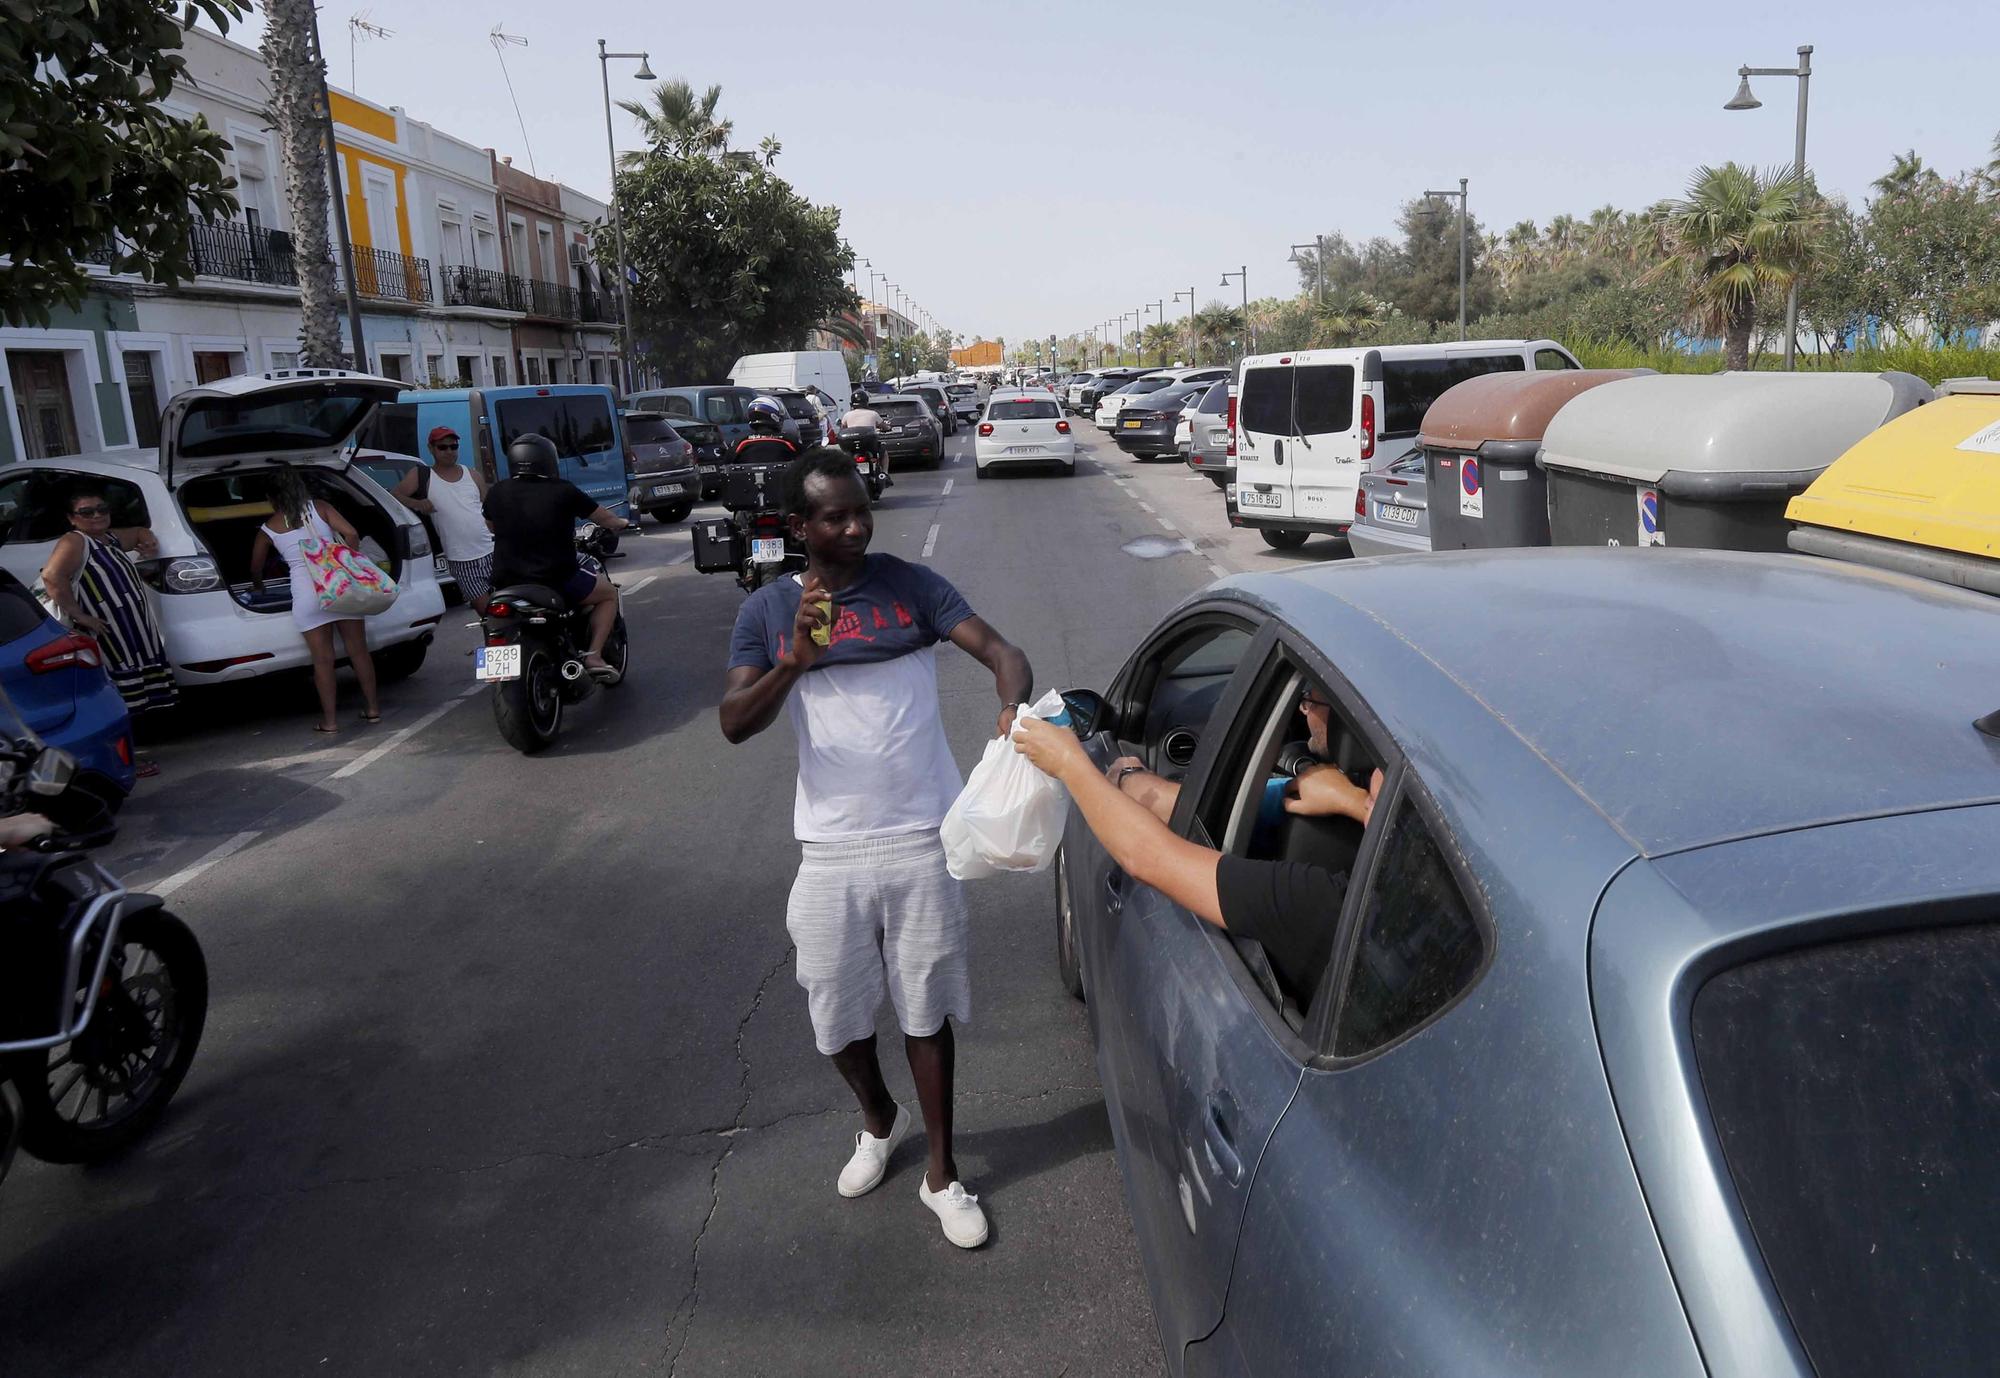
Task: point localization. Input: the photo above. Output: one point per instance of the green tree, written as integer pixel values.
(1738, 237)
(730, 260)
(91, 166)
(1427, 285)
(1163, 339)
(1935, 248)
(1836, 301)
(1218, 331)
(679, 123)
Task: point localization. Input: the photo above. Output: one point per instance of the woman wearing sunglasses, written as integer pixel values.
(92, 586)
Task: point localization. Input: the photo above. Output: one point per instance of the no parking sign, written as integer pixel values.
(1649, 518)
(1471, 499)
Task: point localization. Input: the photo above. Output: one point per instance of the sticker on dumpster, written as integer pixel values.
(1649, 518)
(1471, 501)
(1984, 441)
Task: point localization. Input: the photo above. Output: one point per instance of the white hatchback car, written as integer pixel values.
(205, 492)
(1023, 426)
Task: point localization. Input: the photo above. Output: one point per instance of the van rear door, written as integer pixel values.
(1325, 453)
(1263, 436)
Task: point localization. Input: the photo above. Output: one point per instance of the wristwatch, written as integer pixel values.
(1118, 780)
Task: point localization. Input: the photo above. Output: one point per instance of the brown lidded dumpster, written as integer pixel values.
(1480, 440)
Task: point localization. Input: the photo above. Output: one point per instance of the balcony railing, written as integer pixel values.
(551, 299)
(247, 253)
(600, 306)
(387, 276)
(487, 287)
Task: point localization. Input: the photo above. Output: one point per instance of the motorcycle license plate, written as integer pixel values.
(1250, 497)
(767, 550)
(1397, 516)
(497, 662)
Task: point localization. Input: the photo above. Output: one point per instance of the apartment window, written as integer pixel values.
(284, 358)
(556, 370)
(499, 370)
(451, 237)
(213, 365)
(468, 370)
(434, 368)
(485, 244)
(533, 377)
(142, 386)
(394, 366)
(42, 405)
(255, 191)
(517, 245)
(545, 243)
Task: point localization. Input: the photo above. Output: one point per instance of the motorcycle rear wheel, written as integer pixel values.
(618, 652)
(132, 1057)
(529, 710)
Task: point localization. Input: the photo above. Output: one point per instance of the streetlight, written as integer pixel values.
(1743, 100)
(645, 73)
(1460, 194)
(1318, 246)
(1189, 294)
(1242, 275)
(1161, 307)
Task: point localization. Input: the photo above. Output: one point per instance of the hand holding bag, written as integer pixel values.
(1009, 816)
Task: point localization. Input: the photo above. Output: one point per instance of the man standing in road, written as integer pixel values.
(453, 496)
(848, 652)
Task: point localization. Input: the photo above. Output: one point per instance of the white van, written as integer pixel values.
(819, 373)
(1308, 424)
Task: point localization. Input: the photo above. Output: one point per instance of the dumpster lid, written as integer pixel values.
(1931, 478)
(1645, 428)
(1508, 406)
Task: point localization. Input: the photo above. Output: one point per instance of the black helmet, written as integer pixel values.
(533, 456)
(765, 416)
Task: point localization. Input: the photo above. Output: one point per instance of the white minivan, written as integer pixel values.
(1309, 423)
(819, 373)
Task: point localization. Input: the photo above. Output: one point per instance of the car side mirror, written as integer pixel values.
(1089, 713)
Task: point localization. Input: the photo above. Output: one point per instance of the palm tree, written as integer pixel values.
(1162, 338)
(1738, 235)
(1215, 325)
(1904, 175)
(678, 122)
(290, 49)
(1347, 318)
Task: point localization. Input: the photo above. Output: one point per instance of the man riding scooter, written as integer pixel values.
(766, 443)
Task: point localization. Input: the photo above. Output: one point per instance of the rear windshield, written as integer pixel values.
(1409, 386)
(698, 432)
(1216, 399)
(1140, 387)
(1266, 404)
(246, 425)
(961, 389)
(797, 407)
(1855, 1088)
(577, 425)
(899, 411)
(1023, 410)
(649, 430)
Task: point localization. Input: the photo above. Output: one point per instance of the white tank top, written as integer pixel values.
(456, 514)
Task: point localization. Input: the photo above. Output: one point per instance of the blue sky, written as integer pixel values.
(1030, 168)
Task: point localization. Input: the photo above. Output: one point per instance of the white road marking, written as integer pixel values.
(1217, 570)
(930, 541)
(682, 558)
(1193, 478)
(1169, 526)
(362, 762)
(1145, 506)
(638, 584)
(221, 852)
(947, 486)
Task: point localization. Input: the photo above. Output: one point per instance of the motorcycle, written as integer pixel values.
(103, 991)
(866, 448)
(754, 542)
(534, 648)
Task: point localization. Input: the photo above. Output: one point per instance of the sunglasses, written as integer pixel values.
(1307, 699)
(444, 445)
(90, 511)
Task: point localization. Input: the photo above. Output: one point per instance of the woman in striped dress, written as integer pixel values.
(95, 588)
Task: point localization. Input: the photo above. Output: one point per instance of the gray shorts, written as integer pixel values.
(475, 577)
(874, 916)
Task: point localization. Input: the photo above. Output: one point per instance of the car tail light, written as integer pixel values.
(1231, 451)
(64, 653)
(496, 641)
(123, 746)
(986, 427)
(1367, 424)
(1360, 503)
(1062, 428)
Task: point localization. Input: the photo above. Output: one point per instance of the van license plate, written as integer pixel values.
(1250, 497)
(497, 662)
(1394, 515)
(767, 550)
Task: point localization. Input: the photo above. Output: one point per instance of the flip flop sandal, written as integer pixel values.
(329, 731)
(371, 717)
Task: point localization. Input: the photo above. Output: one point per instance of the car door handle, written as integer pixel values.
(1277, 452)
(1221, 1142)
(1114, 890)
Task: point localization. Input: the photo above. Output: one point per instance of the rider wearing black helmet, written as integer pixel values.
(766, 442)
(533, 514)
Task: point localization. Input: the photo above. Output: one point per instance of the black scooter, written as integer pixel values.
(103, 992)
(534, 648)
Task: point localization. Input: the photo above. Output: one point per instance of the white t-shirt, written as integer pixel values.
(459, 519)
(862, 419)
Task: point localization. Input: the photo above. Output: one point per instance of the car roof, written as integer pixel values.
(1687, 696)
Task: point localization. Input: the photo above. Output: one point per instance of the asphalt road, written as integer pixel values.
(506, 1070)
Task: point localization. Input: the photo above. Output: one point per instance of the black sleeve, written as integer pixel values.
(1290, 908)
(581, 504)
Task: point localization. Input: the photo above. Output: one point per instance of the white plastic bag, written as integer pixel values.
(1009, 816)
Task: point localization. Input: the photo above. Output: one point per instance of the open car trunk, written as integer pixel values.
(226, 509)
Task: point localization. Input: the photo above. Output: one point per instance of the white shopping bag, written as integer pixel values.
(1009, 816)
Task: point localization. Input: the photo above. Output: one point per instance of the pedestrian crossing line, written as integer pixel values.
(930, 541)
(369, 758)
(221, 852)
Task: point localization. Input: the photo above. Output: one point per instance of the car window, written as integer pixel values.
(35, 506)
(1553, 359)
(673, 405)
(1420, 944)
(1266, 403)
(649, 430)
(255, 422)
(1216, 399)
(589, 422)
(543, 416)
(725, 408)
(393, 427)
(1176, 691)
(1324, 398)
(1023, 410)
(900, 411)
(1409, 386)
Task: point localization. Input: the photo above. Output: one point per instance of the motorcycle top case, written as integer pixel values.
(754, 487)
(718, 546)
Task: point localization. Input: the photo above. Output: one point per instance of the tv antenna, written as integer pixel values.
(359, 26)
(501, 42)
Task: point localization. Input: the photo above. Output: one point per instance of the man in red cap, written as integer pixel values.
(454, 498)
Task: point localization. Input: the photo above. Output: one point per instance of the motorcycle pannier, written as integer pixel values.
(718, 546)
(754, 487)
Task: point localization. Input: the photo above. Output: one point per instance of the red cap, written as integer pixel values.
(437, 431)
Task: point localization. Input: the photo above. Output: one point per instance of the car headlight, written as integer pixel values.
(190, 574)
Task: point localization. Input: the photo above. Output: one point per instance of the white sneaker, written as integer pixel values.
(957, 1210)
(864, 1171)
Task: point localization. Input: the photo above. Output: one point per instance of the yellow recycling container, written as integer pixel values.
(1920, 495)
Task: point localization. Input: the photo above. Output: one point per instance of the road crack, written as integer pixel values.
(691, 1299)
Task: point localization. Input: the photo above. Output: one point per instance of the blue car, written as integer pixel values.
(56, 681)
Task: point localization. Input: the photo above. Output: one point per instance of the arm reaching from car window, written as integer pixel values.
(1013, 677)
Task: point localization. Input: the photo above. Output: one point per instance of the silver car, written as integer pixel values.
(1392, 514)
(1655, 1032)
(1208, 434)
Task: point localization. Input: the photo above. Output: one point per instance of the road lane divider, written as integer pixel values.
(947, 486)
(369, 758)
(220, 852)
(930, 541)
(639, 583)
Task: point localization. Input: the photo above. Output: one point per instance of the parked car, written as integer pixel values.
(938, 400)
(580, 418)
(910, 430)
(1106, 380)
(1337, 412)
(56, 681)
(721, 405)
(205, 492)
(1021, 428)
(804, 413)
(1212, 451)
(1146, 425)
(965, 400)
(1649, 1026)
(1392, 514)
(706, 437)
(1071, 393)
(666, 475)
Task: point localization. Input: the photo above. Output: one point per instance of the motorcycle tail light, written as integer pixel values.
(496, 641)
(500, 610)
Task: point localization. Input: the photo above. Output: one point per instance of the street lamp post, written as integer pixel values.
(645, 73)
(1318, 246)
(1242, 275)
(1743, 100)
(1460, 194)
(1189, 294)
(1161, 307)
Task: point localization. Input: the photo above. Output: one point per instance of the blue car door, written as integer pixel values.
(1202, 1074)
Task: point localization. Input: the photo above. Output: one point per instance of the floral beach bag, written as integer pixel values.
(348, 583)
